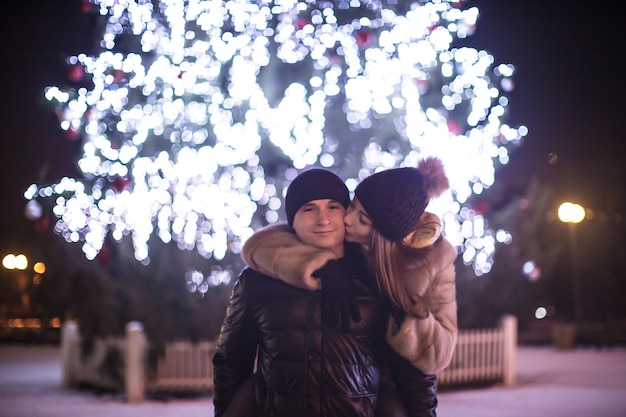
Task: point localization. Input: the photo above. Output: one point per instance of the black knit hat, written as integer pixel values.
(395, 199)
(314, 184)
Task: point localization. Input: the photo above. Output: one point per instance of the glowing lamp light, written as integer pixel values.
(571, 212)
(12, 261)
(39, 267)
(541, 313)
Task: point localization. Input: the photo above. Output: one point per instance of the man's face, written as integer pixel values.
(320, 223)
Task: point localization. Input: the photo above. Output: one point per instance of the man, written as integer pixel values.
(306, 366)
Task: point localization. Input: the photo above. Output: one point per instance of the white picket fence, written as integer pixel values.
(481, 355)
(484, 355)
(185, 367)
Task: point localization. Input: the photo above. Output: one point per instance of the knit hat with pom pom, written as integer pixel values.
(395, 199)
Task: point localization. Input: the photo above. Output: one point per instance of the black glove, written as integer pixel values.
(337, 299)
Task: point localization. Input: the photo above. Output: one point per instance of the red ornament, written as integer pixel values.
(481, 207)
(75, 72)
(422, 86)
(118, 76)
(364, 38)
(72, 133)
(121, 184)
(42, 225)
(104, 256)
(86, 6)
(301, 23)
(453, 127)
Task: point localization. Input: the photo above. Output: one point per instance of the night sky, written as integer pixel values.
(569, 93)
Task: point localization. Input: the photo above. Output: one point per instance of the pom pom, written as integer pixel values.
(435, 180)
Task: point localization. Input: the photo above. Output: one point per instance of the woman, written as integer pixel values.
(412, 262)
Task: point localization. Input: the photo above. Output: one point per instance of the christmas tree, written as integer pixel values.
(195, 115)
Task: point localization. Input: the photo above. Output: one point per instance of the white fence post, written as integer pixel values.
(69, 340)
(509, 326)
(135, 362)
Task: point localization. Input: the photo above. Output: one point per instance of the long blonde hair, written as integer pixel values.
(387, 260)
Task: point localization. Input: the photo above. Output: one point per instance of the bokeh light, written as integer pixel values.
(195, 115)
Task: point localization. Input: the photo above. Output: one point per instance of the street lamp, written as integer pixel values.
(12, 261)
(18, 317)
(572, 214)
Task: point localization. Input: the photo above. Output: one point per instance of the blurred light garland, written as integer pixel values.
(189, 103)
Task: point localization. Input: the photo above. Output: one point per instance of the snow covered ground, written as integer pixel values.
(582, 382)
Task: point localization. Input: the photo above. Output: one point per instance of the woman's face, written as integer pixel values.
(358, 224)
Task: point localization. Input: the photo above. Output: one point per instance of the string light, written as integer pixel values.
(191, 104)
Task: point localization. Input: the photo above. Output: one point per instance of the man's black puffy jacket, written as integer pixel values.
(305, 369)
